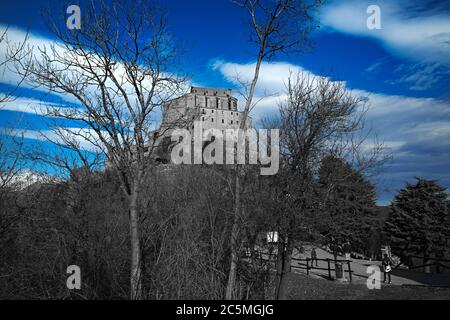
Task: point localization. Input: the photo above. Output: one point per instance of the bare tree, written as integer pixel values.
(11, 143)
(10, 156)
(11, 50)
(120, 68)
(11, 180)
(320, 117)
(280, 26)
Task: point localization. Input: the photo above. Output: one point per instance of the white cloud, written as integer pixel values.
(83, 137)
(271, 87)
(416, 130)
(272, 79)
(375, 67)
(163, 90)
(421, 76)
(404, 33)
(14, 38)
(27, 105)
(394, 116)
(416, 31)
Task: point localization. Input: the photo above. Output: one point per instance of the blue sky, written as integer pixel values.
(404, 68)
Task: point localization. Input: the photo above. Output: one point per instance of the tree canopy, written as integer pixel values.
(419, 221)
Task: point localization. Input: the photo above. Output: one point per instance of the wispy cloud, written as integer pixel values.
(417, 130)
(272, 81)
(421, 76)
(14, 37)
(405, 32)
(32, 106)
(37, 44)
(83, 138)
(418, 31)
(375, 67)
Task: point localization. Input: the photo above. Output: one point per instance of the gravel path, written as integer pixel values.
(359, 268)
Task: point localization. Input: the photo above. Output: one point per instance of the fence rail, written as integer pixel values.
(307, 264)
(430, 258)
(431, 262)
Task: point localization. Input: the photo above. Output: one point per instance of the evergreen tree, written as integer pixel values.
(347, 204)
(419, 221)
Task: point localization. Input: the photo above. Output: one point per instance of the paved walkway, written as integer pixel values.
(359, 268)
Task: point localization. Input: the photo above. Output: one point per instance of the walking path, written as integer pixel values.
(359, 268)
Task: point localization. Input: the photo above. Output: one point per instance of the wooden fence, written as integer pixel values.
(437, 263)
(307, 264)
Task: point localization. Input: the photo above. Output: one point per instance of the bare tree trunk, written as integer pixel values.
(136, 288)
(279, 266)
(238, 188)
(283, 269)
(234, 240)
(238, 191)
(275, 29)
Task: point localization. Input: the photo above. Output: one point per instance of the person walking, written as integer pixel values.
(387, 268)
(313, 257)
(347, 249)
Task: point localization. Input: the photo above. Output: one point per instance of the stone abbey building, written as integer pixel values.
(215, 108)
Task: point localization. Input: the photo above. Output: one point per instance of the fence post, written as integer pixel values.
(349, 270)
(307, 266)
(329, 270)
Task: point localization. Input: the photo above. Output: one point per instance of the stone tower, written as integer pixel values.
(215, 108)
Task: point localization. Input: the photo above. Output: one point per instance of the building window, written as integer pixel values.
(231, 112)
(231, 121)
(212, 119)
(212, 111)
(203, 118)
(237, 122)
(223, 121)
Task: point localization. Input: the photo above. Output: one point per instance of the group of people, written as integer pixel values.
(386, 264)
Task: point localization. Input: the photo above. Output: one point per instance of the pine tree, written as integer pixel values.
(347, 210)
(418, 224)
